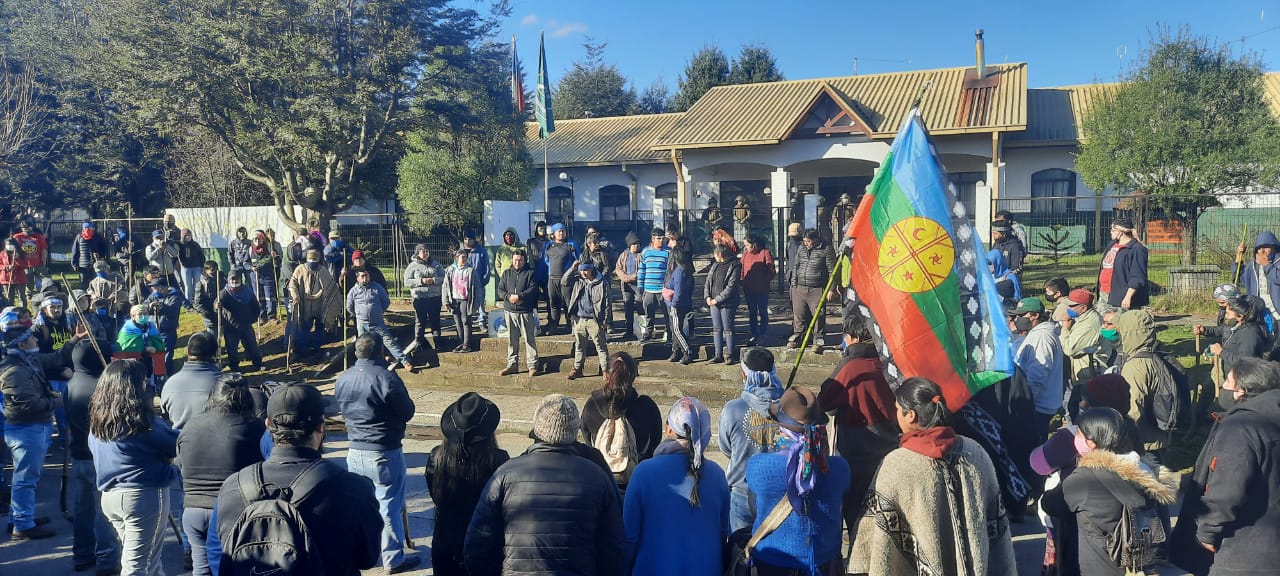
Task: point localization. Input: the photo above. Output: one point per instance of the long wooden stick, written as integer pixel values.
(813, 322)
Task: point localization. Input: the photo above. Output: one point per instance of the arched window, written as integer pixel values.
(1057, 189)
(560, 209)
(615, 203)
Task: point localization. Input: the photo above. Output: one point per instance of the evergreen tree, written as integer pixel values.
(755, 63)
(708, 68)
(593, 88)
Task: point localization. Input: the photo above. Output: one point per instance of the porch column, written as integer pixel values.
(780, 191)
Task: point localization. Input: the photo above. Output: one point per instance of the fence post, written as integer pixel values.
(1097, 222)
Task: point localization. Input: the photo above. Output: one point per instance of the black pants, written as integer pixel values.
(426, 312)
(86, 276)
(630, 303)
(680, 323)
(653, 304)
(558, 302)
(233, 338)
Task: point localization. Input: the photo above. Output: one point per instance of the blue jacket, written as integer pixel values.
(375, 405)
(138, 461)
(681, 282)
(658, 499)
(652, 271)
(1248, 272)
(368, 303)
(479, 260)
(804, 541)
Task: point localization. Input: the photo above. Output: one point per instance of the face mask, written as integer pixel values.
(1022, 324)
(1082, 446)
(1052, 297)
(102, 275)
(1072, 314)
(313, 266)
(143, 320)
(1111, 334)
(1227, 400)
(1230, 322)
(234, 287)
(102, 312)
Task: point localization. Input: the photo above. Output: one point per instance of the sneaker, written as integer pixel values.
(36, 532)
(687, 360)
(410, 562)
(575, 374)
(675, 356)
(39, 520)
(533, 372)
(793, 344)
(509, 370)
(818, 349)
(716, 360)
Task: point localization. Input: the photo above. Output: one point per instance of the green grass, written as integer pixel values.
(1180, 341)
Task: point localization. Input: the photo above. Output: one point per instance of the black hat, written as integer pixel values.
(1001, 226)
(1123, 223)
(295, 407)
(470, 419)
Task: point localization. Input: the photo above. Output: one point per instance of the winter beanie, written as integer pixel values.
(556, 420)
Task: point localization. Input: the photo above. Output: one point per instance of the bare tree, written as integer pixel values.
(201, 172)
(23, 118)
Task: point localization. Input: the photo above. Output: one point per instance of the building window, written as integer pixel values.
(615, 204)
(1053, 193)
(966, 184)
(560, 210)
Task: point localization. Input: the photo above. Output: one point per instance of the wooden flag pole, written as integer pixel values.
(813, 322)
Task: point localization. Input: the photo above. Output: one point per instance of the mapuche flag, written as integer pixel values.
(542, 95)
(919, 271)
(517, 80)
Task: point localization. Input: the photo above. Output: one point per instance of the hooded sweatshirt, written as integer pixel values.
(502, 257)
(1137, 331)
(419, 269)
(747, 429)
(87, 367)
(1262, 281)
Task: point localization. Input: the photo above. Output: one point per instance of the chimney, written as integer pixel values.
(982, 56)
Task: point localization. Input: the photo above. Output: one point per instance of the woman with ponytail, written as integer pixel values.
(676, 512)
(935, 506)
(619, 399)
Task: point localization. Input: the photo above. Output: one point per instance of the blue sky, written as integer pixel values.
(1063, 42)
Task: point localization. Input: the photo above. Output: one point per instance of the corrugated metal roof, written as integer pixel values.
(763, 113)
(601, 141)
(1271, 86)
(1056, 114)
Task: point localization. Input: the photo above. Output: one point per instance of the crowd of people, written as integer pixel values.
(848, 476)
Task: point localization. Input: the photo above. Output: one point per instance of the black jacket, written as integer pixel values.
(549, 512)
(341, 512)
(238, 312)
(559, 257)
(213, 446)
(375, 404)
(722, 284)
(28, 399)
(88, 367)
(640, 411)
(166, 318)
(812, 266)
(454, 507)
(1248, 340)
(1013, 251)
(207, 290)
(1098, 491)
(521, 283)
(1232, 500)
(85, 252)
(190, 254)
(1129, 271)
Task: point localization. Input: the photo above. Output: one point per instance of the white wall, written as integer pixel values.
(590, 179)
(1021, 163)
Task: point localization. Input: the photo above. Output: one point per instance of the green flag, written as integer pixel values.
(542, 95)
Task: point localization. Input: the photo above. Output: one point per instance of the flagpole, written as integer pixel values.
(546, 180)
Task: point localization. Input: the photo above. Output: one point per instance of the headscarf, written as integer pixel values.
(755, 382)
(691, 422)
(803, 443)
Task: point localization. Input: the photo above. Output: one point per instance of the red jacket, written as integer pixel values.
(757, 271)
(13, 269)
(858, 392)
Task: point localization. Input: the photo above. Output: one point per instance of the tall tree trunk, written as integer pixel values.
(1189, 237)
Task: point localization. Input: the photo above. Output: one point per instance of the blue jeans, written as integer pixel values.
(722, 322)
(758, 314)
(380, 330)
(28, 443)
(60, 413)
(92, 537)
(195, 524)
(170, 342)
(740, 513)
(386, 470)
(191, 277)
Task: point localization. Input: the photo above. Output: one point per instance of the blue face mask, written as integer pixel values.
(102, 312)
(1072, 314)
(143, 320)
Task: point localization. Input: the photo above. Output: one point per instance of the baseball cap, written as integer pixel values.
(357, 254)
(1079, 296)
(87, 226)
(587, 265)
(334, 234)
(295, 407)
(1226, 292)
(1030, 304)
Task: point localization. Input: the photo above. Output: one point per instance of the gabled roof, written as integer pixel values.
(601, 141)
(750, 114)
(1055, 115)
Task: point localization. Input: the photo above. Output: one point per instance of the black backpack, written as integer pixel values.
(270, 536)
(1171, 398)
(1137, 538)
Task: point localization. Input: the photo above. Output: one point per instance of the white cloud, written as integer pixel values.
(569, 28)
(529, 20)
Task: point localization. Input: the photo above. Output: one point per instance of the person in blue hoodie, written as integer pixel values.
(678, 292)
(478, 257)
(747, 428)
(133, 450)
(678, 487)
(1261, 276)
(166, 303)
(812, 485)
(1007, 284)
